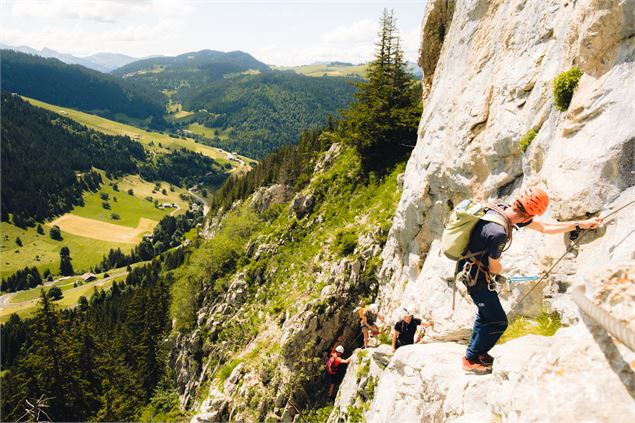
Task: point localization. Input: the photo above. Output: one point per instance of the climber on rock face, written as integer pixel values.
(335, 369)
(490, 238)
(406, 328)
(367, 318)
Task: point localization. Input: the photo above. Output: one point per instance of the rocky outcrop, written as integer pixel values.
(579, 374)
(488, 72)
(266, 197)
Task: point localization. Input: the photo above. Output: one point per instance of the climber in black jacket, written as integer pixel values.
(491, 237)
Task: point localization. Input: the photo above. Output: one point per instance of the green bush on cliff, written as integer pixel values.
(526, 140)
(319, 415)
(345, 242)
(211, 264)
(563, 87)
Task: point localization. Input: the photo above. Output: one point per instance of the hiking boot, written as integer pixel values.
(486, 359)
(475, 367)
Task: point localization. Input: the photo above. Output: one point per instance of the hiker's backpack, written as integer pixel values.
(457, 232)
(331, 367)
(362, 311)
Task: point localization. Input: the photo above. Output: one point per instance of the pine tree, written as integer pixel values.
(382, 121)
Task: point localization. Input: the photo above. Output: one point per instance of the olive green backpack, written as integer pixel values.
(464, 217)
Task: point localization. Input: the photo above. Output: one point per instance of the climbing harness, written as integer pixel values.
(491, 286)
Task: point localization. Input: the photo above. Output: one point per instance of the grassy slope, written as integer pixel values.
(204, 131)
(345, 202)
(85, 252)
(129, 207)
(151, 140)
(71, 295)
(322, 69)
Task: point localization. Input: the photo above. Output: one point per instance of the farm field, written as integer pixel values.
(43, 252)
(204, 131)
(321, 69)
(155, 141)
(89, 231)
(130, 208)
(103, 231)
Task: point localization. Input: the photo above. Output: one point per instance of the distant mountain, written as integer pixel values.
(102, 62)
(340, 69)
(75, 86)
(244, 104)
(196, 68)
(319, 69)
(110, 61)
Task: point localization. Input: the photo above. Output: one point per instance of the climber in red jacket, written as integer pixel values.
(335, 369)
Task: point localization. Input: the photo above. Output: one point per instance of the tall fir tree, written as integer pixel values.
(382, 121)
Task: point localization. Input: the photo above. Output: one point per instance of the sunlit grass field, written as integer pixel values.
(44, 253)
(155, 141)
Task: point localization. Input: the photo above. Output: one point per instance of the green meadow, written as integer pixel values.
(326, 69)
(155, 141)
(130, 208)
(44, 253)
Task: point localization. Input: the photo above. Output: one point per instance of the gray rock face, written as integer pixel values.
(488, 72)
(480, 98)
(266, 197)
(560, 378)
(302, 205)
(579, 374)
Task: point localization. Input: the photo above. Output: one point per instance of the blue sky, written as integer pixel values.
(280, 32)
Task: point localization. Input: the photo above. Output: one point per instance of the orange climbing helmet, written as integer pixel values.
(533, 201)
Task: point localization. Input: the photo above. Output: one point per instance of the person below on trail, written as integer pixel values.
(490, 238)
(335, 369)
(368, 317)
(405, 329)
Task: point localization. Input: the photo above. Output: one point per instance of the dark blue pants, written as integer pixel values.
(490, 323)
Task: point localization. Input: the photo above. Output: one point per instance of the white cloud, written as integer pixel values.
(303, 56)
(353, 43)
(98, 10)
(78, 40)
(360, 32)
(410, 44)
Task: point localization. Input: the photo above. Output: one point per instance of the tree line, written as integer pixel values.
(183, 168)
(103, 360)
(167, 234)
(47, 161)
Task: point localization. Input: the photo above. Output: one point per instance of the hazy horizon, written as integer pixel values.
(281, 33)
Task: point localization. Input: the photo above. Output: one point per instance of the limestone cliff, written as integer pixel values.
(488, 72)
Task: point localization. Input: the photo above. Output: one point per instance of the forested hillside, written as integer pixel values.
(47, 160)
(245, 106)
(75, 86)
(101, 361)
(259, 113)
(192, 70)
